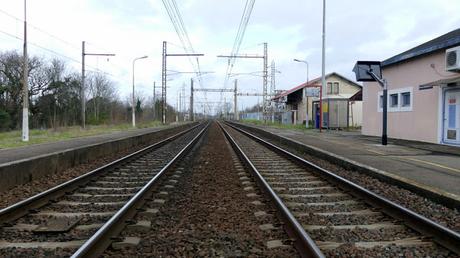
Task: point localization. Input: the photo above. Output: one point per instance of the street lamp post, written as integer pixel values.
(305, 62)
(133, 104)
(323, 68)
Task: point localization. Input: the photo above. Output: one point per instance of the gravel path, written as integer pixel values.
(206, 211)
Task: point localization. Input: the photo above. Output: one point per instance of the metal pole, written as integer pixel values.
(264, 103)
(385, 104)
(235, 102)
(272, 90)
(133, 113)
(180, 103)
(82, 90)
(134, 99)
(384, 84)
(163, 84)
(323, 76)
(154, 102)
(25, 84)
(306, 96)
(192, 118)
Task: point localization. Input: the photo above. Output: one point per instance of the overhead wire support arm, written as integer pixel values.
(241, 56)
(82, 90)
(164, 76)
(95, 54)
(214, 90)
(184, 54)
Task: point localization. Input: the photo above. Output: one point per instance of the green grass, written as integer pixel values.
(277, 125)
(13, 138)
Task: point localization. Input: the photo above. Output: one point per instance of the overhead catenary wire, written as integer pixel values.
(247, 11)
(93, 69)
(181, 31)
(239, 37)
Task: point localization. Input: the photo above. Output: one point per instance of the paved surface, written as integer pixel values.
(25, 152)
(433, 165)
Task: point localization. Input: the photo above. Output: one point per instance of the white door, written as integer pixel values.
(452, 117)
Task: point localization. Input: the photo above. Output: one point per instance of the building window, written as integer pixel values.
(394, 100)
(336, 88)
(329, 88)
(405, 99)
(399, 100)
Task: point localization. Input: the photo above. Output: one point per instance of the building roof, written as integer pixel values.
(313, 83)
(447, 40)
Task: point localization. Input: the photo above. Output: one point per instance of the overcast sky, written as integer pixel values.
(356, 30)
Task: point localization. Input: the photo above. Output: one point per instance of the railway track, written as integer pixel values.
(207, 207)
(331, 216)
(83, 214)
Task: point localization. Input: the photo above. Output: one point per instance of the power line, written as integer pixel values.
(57, 53)
(181, 31)
(239, 37)
(39, 29)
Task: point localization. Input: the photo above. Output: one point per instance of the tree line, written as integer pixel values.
(54, 96)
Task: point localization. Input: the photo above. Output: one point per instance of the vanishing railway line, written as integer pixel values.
(341, 218)
(93, 206)
(323, 214)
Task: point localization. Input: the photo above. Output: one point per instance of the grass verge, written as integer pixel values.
(12, 139)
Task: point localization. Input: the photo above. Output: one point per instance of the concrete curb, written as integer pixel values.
(25, 170)
(434, 194)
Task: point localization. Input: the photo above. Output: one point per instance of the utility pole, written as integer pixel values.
(235, 102)
(183, 99)
(265, 74)
(272, 89)
(323, 69)
(82, 89)
(163, 85)
(163, 77)
(154, 102)
(177, 107)
(192, 118)
(25, 83)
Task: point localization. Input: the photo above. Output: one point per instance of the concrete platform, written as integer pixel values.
(429, 169)
(23, 164)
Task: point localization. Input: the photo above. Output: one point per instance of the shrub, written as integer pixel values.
(5, 120)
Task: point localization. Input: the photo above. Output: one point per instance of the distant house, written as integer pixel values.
(423, 96)
(342, 105)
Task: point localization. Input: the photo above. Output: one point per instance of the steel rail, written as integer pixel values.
(440, 234)
(100, 240)
(303, 242)
(21, 208)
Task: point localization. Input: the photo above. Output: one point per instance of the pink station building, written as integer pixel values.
(423, 93)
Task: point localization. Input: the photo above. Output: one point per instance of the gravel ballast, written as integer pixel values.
(34, 187)
(207, 211)
(439, 213)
